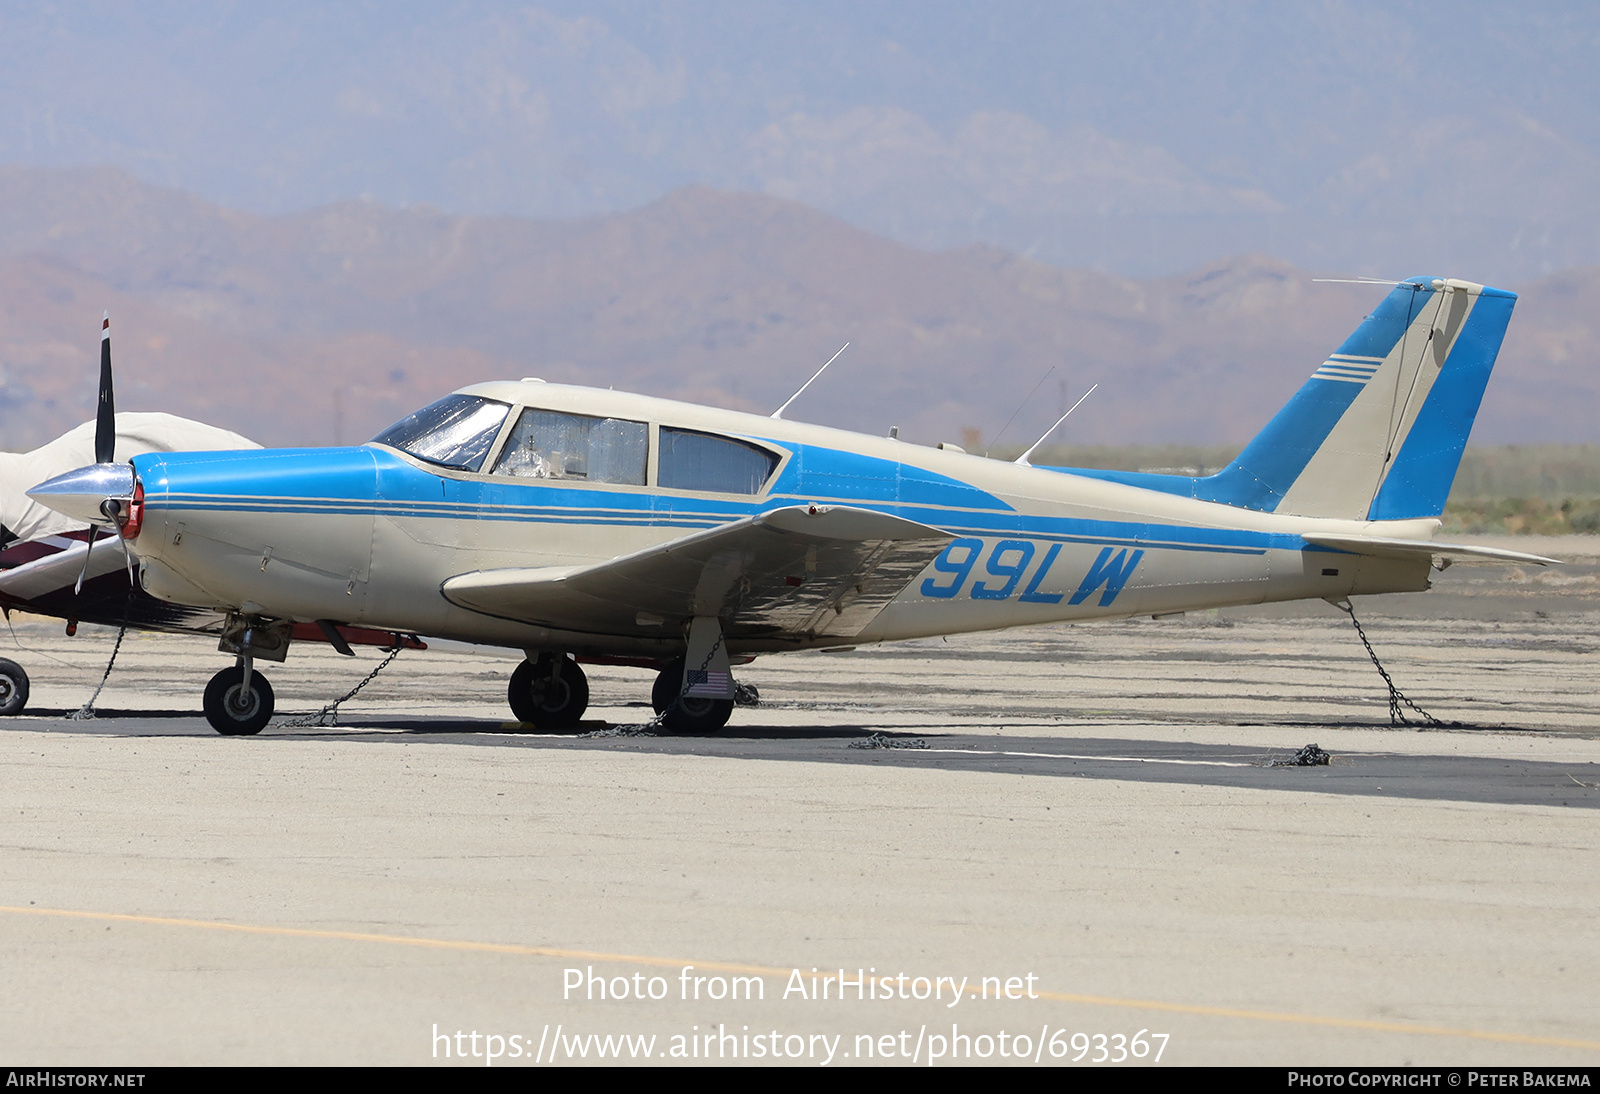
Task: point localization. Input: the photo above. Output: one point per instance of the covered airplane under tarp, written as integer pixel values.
(22, 518)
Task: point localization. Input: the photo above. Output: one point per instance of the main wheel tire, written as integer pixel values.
(668, 683)
(538, 700)
(232, 711)
(690, 715)
(13, 688)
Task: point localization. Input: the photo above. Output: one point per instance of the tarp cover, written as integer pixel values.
(136, 434)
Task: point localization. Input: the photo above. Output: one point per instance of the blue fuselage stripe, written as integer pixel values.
(969, 523)
(370, 482)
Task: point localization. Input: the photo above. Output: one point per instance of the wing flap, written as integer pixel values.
(801, 571)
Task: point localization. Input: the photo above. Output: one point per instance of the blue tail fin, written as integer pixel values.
(1378, 431)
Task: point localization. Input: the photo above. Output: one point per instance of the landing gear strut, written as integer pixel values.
(550, 693)
(236, 708)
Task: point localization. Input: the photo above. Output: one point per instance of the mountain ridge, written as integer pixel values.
(323, 325)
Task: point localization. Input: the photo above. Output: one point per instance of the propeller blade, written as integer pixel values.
(105, 422)
(127, 555)
(78, 588)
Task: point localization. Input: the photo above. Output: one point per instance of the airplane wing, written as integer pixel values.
(58, 564)
(800, 571)
(41, 576)
(1410, 548)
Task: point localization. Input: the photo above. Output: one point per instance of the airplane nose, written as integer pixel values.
(82, 494)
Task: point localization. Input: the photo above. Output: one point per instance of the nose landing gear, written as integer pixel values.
(238, 701)
(235, 707)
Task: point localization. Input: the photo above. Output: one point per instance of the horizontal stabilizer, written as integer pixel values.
(798, 572)
(1411, 548)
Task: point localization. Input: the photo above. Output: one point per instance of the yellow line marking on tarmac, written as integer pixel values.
(768, 971)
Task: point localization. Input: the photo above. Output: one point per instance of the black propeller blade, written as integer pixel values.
(105, 432)
(105, 422)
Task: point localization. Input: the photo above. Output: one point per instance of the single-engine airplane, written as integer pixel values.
(577, 524)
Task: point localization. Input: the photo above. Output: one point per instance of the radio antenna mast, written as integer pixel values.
(1023, 459)
(779, 412)
(1017, 411)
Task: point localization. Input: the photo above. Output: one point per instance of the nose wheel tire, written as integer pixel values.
(234, 712)
(13, 688)
(550, 693)
(690, 715)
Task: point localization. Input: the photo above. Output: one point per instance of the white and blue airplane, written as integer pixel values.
(578, 525)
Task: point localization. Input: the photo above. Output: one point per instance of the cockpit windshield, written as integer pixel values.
(457, 431)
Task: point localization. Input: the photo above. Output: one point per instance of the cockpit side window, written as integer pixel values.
(703, 461)
(546, 444)
(457, 431)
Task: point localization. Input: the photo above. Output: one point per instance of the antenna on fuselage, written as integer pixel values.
(1017, 411)
(779, 412)
(1023, 459)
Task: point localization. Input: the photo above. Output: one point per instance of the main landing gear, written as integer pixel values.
(13, 688)
(686, 714)
(550, 692)
(694, 694)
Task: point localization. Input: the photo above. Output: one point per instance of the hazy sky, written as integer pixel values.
(1375, 138)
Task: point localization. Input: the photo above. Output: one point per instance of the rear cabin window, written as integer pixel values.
(546, 444)
(701, 461)
(457, 431)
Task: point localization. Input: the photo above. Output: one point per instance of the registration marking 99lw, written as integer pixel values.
(1009, 558)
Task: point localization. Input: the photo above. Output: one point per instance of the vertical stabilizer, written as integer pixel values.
(1378, 430)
